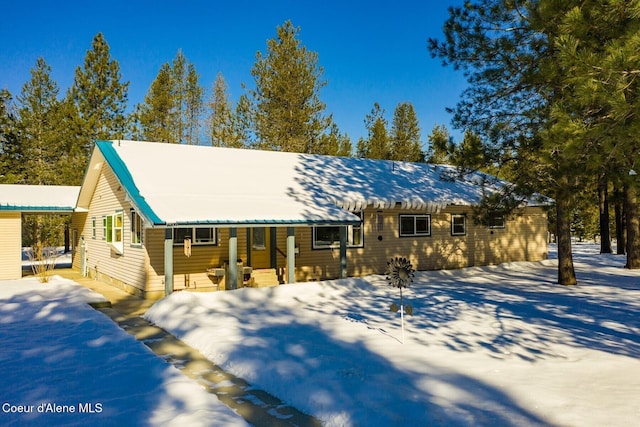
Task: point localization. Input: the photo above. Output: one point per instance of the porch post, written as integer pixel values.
(231, 281)
(343, 252)
(291, 255)
(249, 246)
(168, 261)
(273, 244)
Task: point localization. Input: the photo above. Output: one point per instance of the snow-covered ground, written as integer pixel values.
(59, 354)
(501, 345)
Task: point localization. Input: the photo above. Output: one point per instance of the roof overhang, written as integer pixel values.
(38, 199)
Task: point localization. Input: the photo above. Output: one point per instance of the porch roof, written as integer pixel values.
(38, 198)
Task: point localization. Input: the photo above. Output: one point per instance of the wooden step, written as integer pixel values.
(264, 277)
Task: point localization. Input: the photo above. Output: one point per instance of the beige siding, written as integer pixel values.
(10, 245)
(126, 270)
(523, 239)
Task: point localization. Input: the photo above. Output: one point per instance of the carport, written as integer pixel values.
(17, 199)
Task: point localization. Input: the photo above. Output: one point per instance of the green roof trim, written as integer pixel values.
(124, 176)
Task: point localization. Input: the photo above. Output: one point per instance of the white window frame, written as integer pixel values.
(415, 232)
(94, 224)
(113, 233)
(355, 235)
(195, 240)
(455, 217)
(137, 229)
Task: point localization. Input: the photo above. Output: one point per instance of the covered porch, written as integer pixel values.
(259, 250)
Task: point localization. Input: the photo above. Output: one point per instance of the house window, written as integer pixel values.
(329, 237)
(458, 225)
(415, 225)
(113, 226)
(94, 230)
(198, 235)
(136, 229)
(259, 238)
(104, 228)
(497, 221)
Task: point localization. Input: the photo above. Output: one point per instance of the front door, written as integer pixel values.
(260, 253)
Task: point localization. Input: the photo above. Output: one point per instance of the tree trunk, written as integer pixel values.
(632, 221)
(605, 236)
(566, 272)
(621, 240)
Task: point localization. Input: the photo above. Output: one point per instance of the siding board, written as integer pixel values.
(10, 245)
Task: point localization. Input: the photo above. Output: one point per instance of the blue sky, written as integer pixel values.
(371, 51)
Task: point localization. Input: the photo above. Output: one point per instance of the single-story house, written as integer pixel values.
(16, 200)
(152, 218)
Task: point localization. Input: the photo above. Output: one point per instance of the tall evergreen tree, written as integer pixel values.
(289, 115)
(154, 114)
(516, 83)
(38, 127)
(441, 146)
(335, 143)
(598, 46)
(222, 120)
(173, 106)
(99, 96)
(376, 145)
(405, 134)
(11, 168)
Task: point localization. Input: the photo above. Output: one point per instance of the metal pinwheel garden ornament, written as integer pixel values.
(400, 274)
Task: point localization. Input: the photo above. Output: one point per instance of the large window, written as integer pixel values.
(458, 224)
(329, 237)
(198, 235)
(136, 229)
(415, 225)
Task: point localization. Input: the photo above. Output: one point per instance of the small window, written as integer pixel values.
(415, 225)
(104, 228)
(198, 235)
(329, 237)
(136, 229)
(497, 221)
(94, 231)
(458, 225)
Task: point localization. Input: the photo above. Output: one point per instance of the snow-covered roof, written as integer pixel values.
(180, 184)
(38, 198)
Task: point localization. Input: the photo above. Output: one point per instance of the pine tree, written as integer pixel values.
(11, 168)
(38, 123)
(405, 134)
(194, 106)
(441, 146)
(376, 145)
(154, 114)
(100, 97)
(222, 123)
(288, 112)
(334, 143)
(173, 106)
(515, 99)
